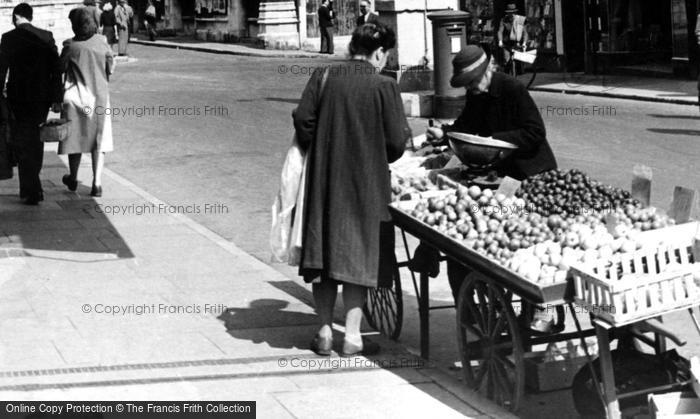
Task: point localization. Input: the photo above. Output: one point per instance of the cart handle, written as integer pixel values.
(653, 325)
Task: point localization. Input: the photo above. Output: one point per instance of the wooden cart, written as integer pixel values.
(492, 340)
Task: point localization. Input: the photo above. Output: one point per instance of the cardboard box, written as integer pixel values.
(552, 375)
(674, 405)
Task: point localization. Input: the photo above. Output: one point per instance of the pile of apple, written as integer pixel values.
(580, 241)
(571, 193)
(643, 219)
(540, 248)
(406, 187)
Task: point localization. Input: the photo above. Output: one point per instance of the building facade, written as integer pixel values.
(652, 35)
(598, 36)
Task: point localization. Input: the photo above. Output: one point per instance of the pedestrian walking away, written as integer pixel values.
(325, 23)
(30, 57)
(121, 15)
(95, 12)
(151, 21)
(348, 236)
(87, 62)
(366, 15)
(108, 24)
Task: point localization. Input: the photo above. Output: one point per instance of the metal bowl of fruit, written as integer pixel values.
(479, 152)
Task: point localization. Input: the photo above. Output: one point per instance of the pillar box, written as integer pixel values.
(449, 37)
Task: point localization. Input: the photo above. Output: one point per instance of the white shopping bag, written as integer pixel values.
(286, 200)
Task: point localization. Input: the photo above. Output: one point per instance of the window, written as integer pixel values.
(211, 8)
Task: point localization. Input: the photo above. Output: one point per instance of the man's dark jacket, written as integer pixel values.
(324, 17)
(31, 56)
(369, 18)
(508, 113)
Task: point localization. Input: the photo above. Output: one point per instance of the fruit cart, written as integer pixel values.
(486, 298)
(493, 341)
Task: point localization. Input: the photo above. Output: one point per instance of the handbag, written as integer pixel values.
(54, 130)
(286, 233)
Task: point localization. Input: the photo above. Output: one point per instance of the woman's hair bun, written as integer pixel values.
(370, 36)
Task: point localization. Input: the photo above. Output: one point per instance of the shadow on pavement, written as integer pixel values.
(672, 116)
(675, 131)
(283, 100)
(64, 222)
(267, 314)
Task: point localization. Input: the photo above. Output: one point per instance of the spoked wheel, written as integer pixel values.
(489, 342)
(384, 308)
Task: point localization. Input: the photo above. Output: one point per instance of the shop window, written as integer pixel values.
(634, 26)
(540, 25)
(211, 8)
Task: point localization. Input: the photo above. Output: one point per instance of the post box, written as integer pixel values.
(449, 37)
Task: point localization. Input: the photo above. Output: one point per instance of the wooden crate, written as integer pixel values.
(640, 285)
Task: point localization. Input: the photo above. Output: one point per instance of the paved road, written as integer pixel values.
(230, 152)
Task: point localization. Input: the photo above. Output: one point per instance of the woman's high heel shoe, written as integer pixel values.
(70, 183)
(96, 191)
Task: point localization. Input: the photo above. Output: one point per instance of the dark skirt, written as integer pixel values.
(387, 263)
(110, 34)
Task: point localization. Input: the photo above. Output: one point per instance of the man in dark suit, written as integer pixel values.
(325, 23)
(33, 86)
(366, 15)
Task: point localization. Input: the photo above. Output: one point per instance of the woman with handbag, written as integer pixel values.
(351, 122)
(87, 64)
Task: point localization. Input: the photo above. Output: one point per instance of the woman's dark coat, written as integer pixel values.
(359, 129)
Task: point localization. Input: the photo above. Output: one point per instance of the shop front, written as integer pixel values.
(646, 36)
(543, 26)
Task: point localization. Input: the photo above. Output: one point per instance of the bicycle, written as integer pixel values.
(524, 57)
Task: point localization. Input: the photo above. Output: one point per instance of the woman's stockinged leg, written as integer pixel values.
(98, 162)
(74, 164)
(353, 299)
(325, 294)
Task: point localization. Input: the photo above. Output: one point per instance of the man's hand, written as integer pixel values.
(56, 107)
(434, 133)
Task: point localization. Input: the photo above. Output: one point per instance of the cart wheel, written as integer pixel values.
(489, 342)
(384, 308)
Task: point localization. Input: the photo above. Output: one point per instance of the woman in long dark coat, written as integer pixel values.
(358, 129)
